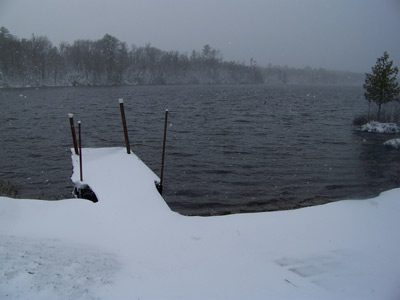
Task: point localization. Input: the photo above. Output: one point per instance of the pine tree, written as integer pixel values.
(382, 86)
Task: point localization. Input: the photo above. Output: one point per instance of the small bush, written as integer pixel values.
(8, 189)
(361, 120)
(396, 115)
(389, 114)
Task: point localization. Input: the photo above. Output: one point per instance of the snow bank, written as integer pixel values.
(378, 127)
(130, 245)
(395, 143)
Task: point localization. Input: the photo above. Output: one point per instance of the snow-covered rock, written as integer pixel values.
(374, 126)
(395, 143)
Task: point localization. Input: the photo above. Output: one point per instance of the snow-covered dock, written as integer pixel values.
(130, 245)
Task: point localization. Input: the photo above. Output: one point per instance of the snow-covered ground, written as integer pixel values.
(130, 245)
(377, 127)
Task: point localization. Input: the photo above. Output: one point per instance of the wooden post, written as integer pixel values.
(121, 106)
(71, 122)
(163, 152)
(80, 151)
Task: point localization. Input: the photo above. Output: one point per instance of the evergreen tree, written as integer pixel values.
(382, 86)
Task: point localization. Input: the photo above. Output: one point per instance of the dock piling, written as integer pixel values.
(121, 106)
(71, 122)
(160, 188)
(80, 151)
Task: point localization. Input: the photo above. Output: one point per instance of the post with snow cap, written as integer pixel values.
(80, 151)
(163, 153)
(121, 106)
(71, 122)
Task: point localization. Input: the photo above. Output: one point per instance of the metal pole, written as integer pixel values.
(80, 150)
(163, 152)
(71, 122)
(121, 106)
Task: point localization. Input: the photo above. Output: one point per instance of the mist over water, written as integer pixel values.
(229, 148)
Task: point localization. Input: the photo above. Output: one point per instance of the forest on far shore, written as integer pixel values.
(109, 61)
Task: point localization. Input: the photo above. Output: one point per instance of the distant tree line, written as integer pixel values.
(309, 76)
(109, 61)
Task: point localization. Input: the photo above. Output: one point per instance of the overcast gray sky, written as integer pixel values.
(332, 34)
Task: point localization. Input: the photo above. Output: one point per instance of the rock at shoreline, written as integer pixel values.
(378, 127)
(395, 143)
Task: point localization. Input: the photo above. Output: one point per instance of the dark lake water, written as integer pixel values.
(230, 148)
